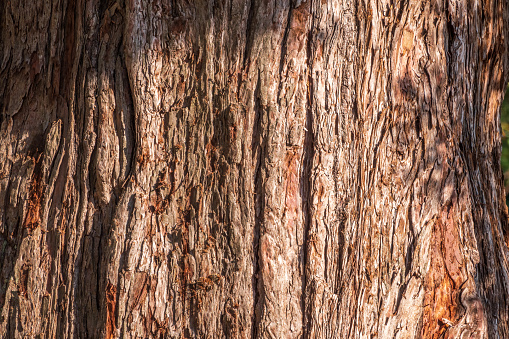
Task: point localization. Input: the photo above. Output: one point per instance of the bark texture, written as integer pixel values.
(253, 168)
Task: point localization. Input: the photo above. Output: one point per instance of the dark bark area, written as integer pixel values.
(248, 168)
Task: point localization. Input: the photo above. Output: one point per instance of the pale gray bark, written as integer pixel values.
(248, 168)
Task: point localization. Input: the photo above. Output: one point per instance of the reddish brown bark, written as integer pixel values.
(247, 168)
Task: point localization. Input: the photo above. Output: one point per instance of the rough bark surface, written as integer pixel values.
(253, 168)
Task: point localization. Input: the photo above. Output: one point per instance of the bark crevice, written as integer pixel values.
(257, 151)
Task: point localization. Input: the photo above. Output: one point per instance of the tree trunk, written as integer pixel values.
(247, 168)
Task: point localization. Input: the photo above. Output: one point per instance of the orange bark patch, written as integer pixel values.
(445, 277)
(33, 217)
(233, 132)
(211, 153)
(143, 158)
(297, 34)
(292, 201)
(111, 302)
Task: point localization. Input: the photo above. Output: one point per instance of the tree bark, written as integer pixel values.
(247, 168)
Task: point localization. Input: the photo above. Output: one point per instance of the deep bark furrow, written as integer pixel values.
(258, 206)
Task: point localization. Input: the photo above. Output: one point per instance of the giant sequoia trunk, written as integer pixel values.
(249, 168)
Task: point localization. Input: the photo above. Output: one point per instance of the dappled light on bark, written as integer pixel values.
(248, 168)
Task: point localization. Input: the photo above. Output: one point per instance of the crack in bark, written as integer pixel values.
(249, 35)
(308, 156)
(258, 187)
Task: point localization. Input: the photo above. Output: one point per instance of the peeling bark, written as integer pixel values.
(248, 168)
